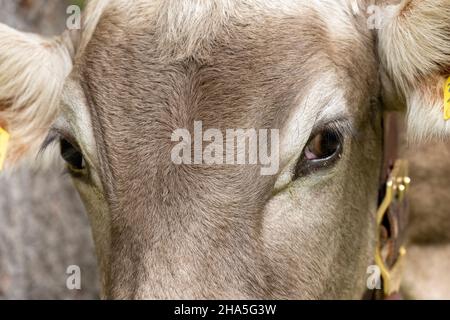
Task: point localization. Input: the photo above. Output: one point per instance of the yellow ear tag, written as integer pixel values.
(4, 138)
(447, 99)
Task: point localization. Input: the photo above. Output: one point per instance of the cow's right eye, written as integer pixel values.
(73, 157)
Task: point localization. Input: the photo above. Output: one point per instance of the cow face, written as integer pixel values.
(140, 72)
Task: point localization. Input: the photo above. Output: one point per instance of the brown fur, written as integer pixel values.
(171, 238)
(167, 231)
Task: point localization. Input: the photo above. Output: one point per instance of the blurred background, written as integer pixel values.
(43, 226)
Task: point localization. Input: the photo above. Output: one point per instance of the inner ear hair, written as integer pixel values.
(415, 42)
(414, 49)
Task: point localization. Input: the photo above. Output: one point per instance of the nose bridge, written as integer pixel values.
(187, 253)
(185, 232)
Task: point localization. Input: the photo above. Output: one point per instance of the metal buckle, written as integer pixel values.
(396, 188)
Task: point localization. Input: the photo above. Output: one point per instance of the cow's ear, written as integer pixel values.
(32, 74)
(414, 45)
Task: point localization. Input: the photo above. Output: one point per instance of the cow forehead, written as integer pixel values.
(193, 20)
(234, 48)
(152, 67)
(186, 25)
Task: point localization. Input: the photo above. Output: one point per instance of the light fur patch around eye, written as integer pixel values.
(320, 107)
(74, 125)
(76, 113)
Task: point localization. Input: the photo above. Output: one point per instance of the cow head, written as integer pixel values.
(114, 95)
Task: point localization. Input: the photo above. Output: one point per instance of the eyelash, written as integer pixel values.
(54, 136)
(51, 139)
(341, 127)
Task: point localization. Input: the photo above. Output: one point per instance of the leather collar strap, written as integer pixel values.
(392, 215)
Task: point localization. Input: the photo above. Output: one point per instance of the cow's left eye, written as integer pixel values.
(73, 157)
(322, 151)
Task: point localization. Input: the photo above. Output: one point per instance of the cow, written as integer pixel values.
(113, 94)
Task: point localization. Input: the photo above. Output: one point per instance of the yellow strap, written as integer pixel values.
(4, 138)
(447, 99)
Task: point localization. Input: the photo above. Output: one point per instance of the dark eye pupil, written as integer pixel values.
(322, 146)
(71, 155)
(322, 151)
